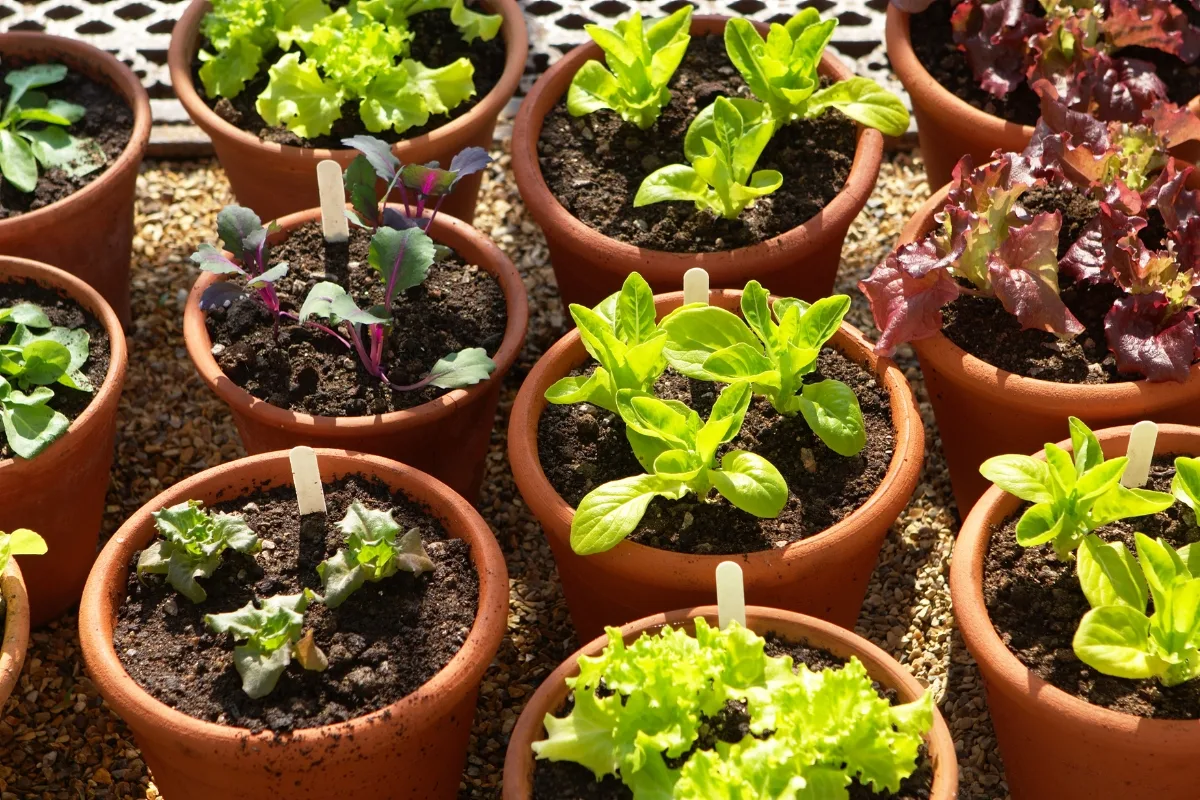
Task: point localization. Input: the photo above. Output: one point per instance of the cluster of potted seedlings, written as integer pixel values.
(319, 615)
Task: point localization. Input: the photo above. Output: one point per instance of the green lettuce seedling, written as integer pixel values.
(1185, 486)
(1071, 497)
(678, 452)
(773, 352)
(372, 553)
(272, 639)
(641, 58)
(192, 544)
(622, 335)
(21, 542)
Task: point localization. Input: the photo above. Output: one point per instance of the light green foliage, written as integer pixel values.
(327, 300)
(1186, 483)
(21, 542)
(773, 346)
(191, 546)
(641, 58)
(822, 729)
(678, 452)
(1072, 496)
(373, 552)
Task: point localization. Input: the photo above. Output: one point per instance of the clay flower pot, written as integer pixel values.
(824, 575)
(15, 629)
(519, 759)
(984, 411)
(89, 233)
(948, 127)
(446, 437)
(413, 748)
(60, 492)
(589, 266)
(275, 179)
(1054, 745)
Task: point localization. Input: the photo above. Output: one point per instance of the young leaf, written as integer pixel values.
(21, 542)
(611, 511)
(464, 368)
(192, 544)
(1114, 640)
(272, 633)
(373, 552)
(751, 483)
(298, 97)
(408, 252)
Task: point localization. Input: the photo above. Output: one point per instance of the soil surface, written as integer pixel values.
(582, 446)
(306, 369)
(436, 43)
(383, 643)
(66, 313)
(595, 164)
(565, 780)
(1035, 603)
(108, 120)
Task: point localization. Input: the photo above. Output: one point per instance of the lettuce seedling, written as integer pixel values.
(191, 546)
(21, 542)
(641, 58)
(678, 452)
(271, 633)
(1072, 496)
(711, 344)
(1185, 486)
(372, 553)
(23, 148)
(623, 337)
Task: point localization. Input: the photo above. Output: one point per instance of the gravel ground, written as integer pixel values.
(58, 740)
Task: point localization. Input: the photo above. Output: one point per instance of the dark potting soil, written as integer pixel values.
(108, 120)
(594, 165)
(383, 643)
(65, 312)
(307, 370)
(582, 446)
(1035, 604)
(436, 43)
(566, 780)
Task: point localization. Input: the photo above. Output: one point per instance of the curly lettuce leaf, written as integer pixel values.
(298, 97)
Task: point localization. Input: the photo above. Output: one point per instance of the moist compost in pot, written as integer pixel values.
(594, 164)
(383, 643)
(582, 446)
(108, 120)
(1035, 604)
(307, 370)
(436, 43)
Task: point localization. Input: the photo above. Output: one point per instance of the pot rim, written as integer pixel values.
(199, 344)
(985, 645)
(880, 665)
(16, 628)
(125, 83)
(662, 265)
(131, 702)
(185, 42)
(90, 300)
(909, 448)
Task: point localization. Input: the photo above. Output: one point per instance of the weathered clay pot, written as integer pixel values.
(275, 179)
(519, 760)
(824, 575)
(589, 266)
(15, 629)
(447, 437)
(1054, 745)
(90, 233)
(414, 748)
(60, 492)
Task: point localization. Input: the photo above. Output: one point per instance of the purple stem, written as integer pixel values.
(362, 351)
(434, 214)
(404, 199)
(376, 349)
(391, 285)
(318, 326)
(412, 387)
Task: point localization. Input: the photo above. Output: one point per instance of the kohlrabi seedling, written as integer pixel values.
(271, 633)
(191, 546)
(245, 237)
(678, 451)
(373, 551)
(773, 352)
(21, 542)
(623, 337)
(641, 58)
(1072, 496)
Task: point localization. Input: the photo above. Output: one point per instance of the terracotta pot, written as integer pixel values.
(589, 266)
(824, 575)
(519, 760)
(413, 748)
(275, 179)
(446, 437)
(15, 629)
(60, 492)
(1056, 746)
(89, 233)
(983, 411)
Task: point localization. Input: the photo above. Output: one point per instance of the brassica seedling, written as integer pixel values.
(711, 344)
(243, 235)
(373, 552)
(191, 546)
(21, 542)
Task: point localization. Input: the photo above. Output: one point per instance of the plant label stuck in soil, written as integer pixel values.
(334, 225)
(1140, 453)
(731, 594)
(306, 476)
(695, 286)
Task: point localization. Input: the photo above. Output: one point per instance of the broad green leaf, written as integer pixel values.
(1026, 477)
(742, 43)
(30, 429)
(1062, 469)
(1176, 621)
(225, 74)
(741, 362)
(319, 302)
(821, 321)
(757, 313)
(393, 102)
(593, 88)
(443, 88)
(751, 483)
(670, 421)
(753, 114)
(340, 578)
(610, 512)
(1109, 575)
(17, 162)
(724, 421)
(1122, 503)
(1160, 564)
(677, 465)
(26, 314)
(696, 332)
(831, 409)
(260, 670)
(1115, 641)
(55, 148)
(24, 542)
(672, 182)
(864, 101)
(410, 251)
(359, 181)
(645, 361)
(346, 310)
(45, 362)
(472, 25)
(464, 368)
(636, 320)
(31, 77)
(298, 97)
(1039, 524)
(1100, 479)
(1085, 446)
(75, 340)
(578, 389)
(241, 231)
(1186, 483)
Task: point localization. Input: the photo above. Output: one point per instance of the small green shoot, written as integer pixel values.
(192, 544)
(373, 552)
(21, 542)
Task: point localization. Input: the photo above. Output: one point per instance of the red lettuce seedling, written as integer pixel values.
(373, 551)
